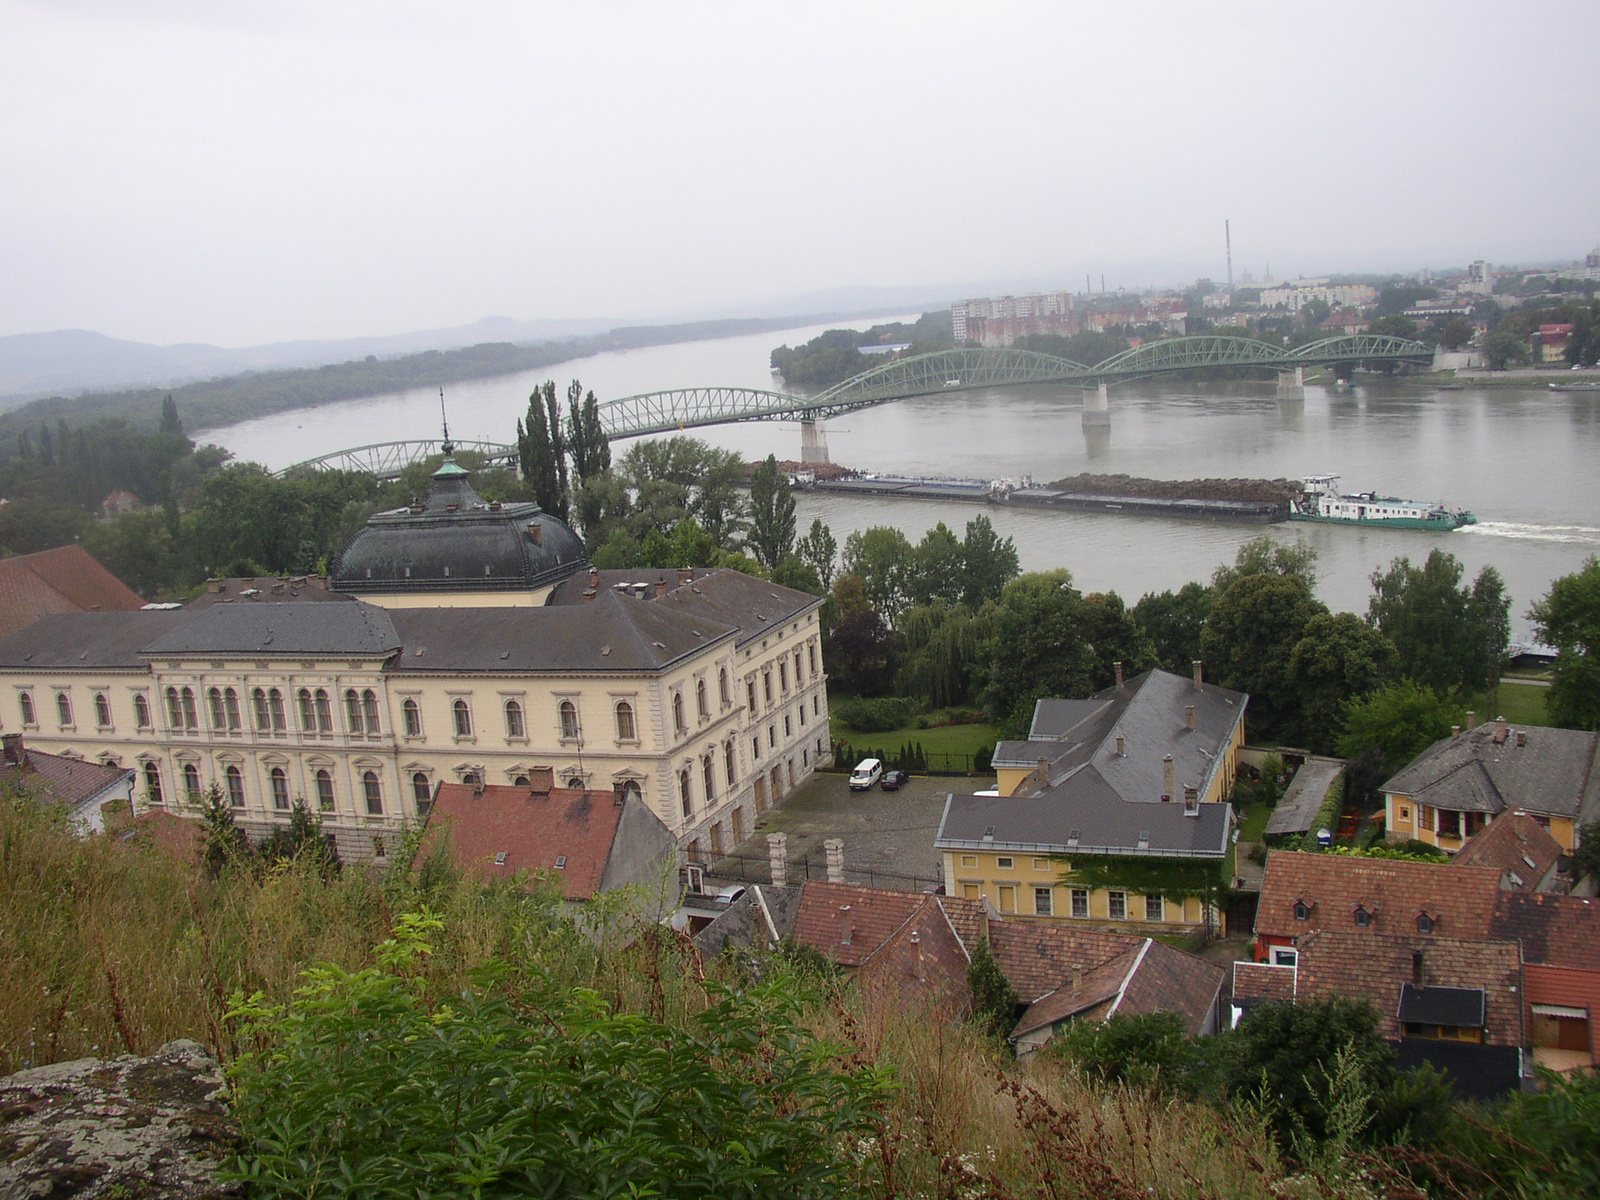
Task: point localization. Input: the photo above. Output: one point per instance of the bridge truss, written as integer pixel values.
(940, 373)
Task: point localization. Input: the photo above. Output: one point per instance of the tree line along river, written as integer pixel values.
(1523, 460)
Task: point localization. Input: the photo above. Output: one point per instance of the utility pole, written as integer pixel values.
(1227, 237)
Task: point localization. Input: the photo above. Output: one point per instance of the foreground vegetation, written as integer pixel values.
(420, 1034)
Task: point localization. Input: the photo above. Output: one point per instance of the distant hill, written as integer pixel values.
(73, 361)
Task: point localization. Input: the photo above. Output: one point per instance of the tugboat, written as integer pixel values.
(1322, 501)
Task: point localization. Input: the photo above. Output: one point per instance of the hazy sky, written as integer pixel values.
(239, 171)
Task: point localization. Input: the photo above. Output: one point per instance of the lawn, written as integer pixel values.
(946, 739)
(1518, 703)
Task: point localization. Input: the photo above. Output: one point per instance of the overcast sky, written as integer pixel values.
(241, 171)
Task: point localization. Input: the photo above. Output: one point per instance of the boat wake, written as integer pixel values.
(1578, 534)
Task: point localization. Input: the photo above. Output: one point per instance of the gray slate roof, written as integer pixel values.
(1297, 811)
(1104, 824)
(1556, 772)
(88, 640)
(614, 633)
(753, 606)
(354, 630)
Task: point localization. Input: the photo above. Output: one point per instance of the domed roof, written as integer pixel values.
(458, 542)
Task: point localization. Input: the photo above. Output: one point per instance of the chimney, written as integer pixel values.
(661, 587)
(1191, 801)
(214, 586)
(847, 931)
(1077, 980)
(1455, 732)
(1117, 667)
(685, 575)
(916, 940)
(1522, 738)
(589, 594)
(778, 858)
(1500, 731)
(1417, 965)
(12, 750)
(594, 578)
(833, 848)
(1188, 717)
(536, 529)
(1472, 720)
(1167, 777)
(1044, 772)
(541, 780)
(1122, 746)
(1199, 672)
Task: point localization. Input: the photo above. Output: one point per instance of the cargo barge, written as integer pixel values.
(1323, 501)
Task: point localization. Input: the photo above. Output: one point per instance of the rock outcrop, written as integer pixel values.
(127, 1128)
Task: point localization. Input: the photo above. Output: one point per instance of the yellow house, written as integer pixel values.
(1463, 782)
(1143, 769)
(702, 693)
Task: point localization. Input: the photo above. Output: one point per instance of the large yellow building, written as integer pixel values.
(701, 692)
(1141, 770)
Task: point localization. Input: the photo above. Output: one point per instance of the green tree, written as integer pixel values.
(1456, 333)
(1314, 312)
(939, 653)
(1505, 348)
(995, 1002)
(818, 550)
(1173, 621)
(539, 454)
(586, 437)
(1152, 1051)
(1399, 722)
(1394, 326)
(1447, 636)
(1114, 636)
(1036, 649)
(137, 548)
(937, 567)
(1568, 618)
(1249, 637)
(222, 843)
(989, 562)
(1338, 658)
(772, 524)
(1266, 555)
(884, 560)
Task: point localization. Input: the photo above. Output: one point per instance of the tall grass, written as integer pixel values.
(109, 947)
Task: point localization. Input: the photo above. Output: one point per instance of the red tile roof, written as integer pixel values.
(923, 961)
(52, 777)
(1147, 977)
(1568, 988)
(1262, 981)
(1515, 845)
(534, 830)
(1560, 931)
(62, 580)
(176, 837)
(1039, 956)
(848, 923)
(1374, 967)
(1395, 893)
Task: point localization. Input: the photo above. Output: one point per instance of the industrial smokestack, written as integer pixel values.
(1227, 237)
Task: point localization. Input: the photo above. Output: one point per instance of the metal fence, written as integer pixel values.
(753, 868)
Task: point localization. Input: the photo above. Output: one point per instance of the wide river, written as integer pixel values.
(1527, 462)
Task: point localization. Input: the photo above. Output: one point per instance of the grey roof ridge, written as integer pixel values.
(944, 843)
(1474, 762)
(1216, 759)
(766, 914)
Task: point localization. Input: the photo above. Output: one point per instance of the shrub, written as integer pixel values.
(875, 716)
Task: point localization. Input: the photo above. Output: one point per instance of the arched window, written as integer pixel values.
(569, 720)
(280, 788)
(514, 725)
(308, 714)
(102, 710)
(729, 765)
(708, 775)
(521, 781)
(191, 710)
(26, 701)
(258, 709)
(191, 782)
(576, 783)
(235, 780)
(626, 731)
(324, 790)
(463, 716)
(413, 718)
(324, 712)
(369, 709)
(141, 710)
(152, 783)
(275, 710)
(722, 687)
(630, 790)
(219, 718)
(352, 712)
(684, 792)
(230, 705)
(700, 704)
(373, 791)
(421, 790)
(64, 709)
(470, 777)
(677, 712)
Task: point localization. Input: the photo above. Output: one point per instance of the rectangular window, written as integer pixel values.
(1041, 864)
(1005, 863)
(1154, 909)
(969, 860)
(1080, 902)
(971, 891)
(1008, 898)
(1041, 901)
(1117, 905)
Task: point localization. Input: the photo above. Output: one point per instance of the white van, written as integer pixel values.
(868, 771)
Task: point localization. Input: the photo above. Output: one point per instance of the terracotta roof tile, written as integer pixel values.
(65, 579)
(1374, 967)
(1560, 931)
(1568, 988)
(1039, 956)
(922, 962)
(1147, 977)
(567, 832)
(1458, 899)
(1262, 981)
(51, 777)
(847, 923)
(1515, 845)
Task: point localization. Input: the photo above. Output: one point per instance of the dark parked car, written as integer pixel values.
(892, 780)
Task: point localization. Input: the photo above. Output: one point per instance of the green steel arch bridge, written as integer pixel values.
(939, 373)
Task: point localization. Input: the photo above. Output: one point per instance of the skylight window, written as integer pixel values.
(500, 858)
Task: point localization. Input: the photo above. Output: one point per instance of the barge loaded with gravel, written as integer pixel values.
(1248, 501)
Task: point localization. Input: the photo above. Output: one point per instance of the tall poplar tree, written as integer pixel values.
(537, 457)
(591, 450)
(771, 535)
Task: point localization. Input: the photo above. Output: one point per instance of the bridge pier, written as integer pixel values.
(1096, 407)
(813, 442)
(1292, 384)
